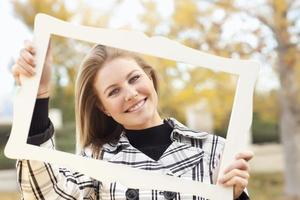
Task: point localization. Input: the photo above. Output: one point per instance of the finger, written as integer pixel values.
(235, 172)
(22, 71)
(14, 70)
(236, 181)
(29, 46)
(246, 155)
(18, 80)
(16, 74)
(28, 57)
(49, 49)
(49, 52)
(25, 68)
(238, 164)
(239, 185)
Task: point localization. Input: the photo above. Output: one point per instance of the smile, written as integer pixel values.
(137, 106)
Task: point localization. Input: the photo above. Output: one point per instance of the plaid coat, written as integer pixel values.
(192, 155)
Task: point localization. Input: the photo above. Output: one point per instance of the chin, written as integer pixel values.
(140, 122)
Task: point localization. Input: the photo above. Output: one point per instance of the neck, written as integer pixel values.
(155, 121)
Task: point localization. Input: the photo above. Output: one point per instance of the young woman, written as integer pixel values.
(117, 121)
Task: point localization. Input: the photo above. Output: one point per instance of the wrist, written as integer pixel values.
(43, 94)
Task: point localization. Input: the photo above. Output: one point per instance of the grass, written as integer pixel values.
(10, 196)
(6, 163)
(261, 187)
(264, 186)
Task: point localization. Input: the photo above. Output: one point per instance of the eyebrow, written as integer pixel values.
(128, 75)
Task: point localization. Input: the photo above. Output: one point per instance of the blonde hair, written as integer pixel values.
(93, 127)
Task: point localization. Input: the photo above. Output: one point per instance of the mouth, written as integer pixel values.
(136, 106)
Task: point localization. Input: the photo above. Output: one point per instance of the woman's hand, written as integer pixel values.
(237, 174)
(25, 66)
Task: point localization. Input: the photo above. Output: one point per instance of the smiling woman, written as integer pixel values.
(117, 121)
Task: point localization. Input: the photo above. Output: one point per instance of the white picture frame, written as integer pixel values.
(239, 125)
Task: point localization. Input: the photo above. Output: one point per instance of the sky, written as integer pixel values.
(14, 32)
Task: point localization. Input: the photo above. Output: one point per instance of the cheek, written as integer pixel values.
(151, 91)
(113, 106)
(106, 104)
(147, 86)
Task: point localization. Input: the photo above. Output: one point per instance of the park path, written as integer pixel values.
(268, 158)
(8, 181)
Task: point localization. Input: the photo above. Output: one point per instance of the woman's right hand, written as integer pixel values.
(25, 66)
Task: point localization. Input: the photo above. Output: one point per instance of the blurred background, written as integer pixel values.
(264, 30)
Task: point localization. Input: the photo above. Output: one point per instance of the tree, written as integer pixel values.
(280, 21)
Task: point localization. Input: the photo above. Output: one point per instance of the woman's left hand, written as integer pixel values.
(237, 174)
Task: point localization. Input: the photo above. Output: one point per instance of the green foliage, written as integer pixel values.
(265, 125)
(65, 138)
(264, 131)
(4, 133)
(5, 163)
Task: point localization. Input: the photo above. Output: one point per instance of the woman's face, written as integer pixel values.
(127, 94)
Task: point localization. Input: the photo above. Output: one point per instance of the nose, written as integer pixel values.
(131, 93)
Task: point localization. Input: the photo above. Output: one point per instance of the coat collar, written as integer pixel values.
(179, 158)
(179, 133)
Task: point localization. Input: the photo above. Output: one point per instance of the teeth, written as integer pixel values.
(137, 106)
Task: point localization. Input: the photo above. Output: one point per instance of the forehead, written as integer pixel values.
(115, 70)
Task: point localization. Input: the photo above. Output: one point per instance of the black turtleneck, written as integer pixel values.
(151, 141)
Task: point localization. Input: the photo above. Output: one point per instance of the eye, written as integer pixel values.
(133, 79)
(113, 92)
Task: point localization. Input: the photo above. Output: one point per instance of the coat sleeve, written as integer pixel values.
(39, 180)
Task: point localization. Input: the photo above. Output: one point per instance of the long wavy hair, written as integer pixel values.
(93, 127)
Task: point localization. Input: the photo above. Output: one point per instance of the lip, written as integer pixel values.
(145, 99)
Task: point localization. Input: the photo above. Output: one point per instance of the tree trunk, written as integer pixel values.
(290, 124)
